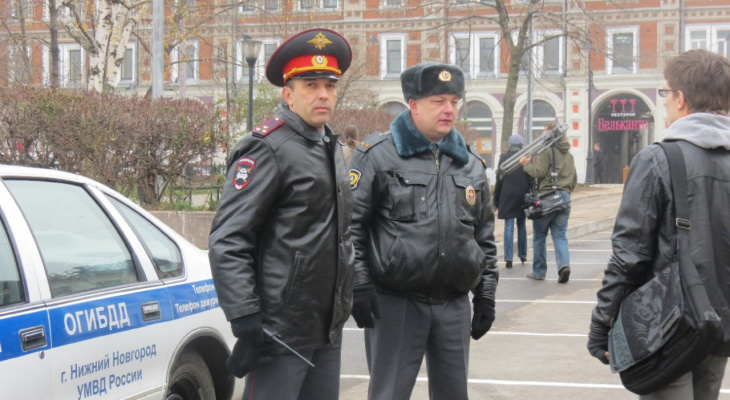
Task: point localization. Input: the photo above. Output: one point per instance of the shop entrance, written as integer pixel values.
(623, 125)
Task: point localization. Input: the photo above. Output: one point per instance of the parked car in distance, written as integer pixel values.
(100, 300)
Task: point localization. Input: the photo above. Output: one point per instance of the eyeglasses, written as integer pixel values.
(663, 92)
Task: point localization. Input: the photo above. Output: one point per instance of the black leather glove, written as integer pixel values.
(364, 306)
(248, 352)
(598, 342)
(483, 317)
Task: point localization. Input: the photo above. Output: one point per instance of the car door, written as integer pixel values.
(105, 309)
(25, 348)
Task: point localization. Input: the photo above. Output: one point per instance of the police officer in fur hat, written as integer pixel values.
(279, 250)
(423, 229)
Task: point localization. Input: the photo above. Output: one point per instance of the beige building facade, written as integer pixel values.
(629, 42)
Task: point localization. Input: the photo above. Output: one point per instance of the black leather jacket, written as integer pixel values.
(644, 235)
(422, 228)
(281, 244)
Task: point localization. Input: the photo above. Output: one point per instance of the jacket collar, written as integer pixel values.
(409, 141)
(296, 122)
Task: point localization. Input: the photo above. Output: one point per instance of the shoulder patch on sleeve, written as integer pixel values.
(372, 140)
(244, 172)
(268, 126)
(484, 162)
(354, 178)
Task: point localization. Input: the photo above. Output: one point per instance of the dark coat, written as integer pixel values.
(422, 227)
(598, 159)
(644, 234)
(510, 191)
(280, 242)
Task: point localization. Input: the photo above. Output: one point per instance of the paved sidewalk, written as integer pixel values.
(593, 208)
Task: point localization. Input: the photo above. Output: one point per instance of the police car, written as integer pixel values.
(100, 300)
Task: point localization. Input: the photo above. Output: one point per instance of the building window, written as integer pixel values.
(392, 55)
(185, 4)
(698, 40)
(129, 63)
(542, 113)
(551, 56)
(622, 46)
(393, 3)
(476, 53)
(251, 6)
(77, 9)
(479, 117)
(306, 4)
(248, 7)
(394, 108)
(20, 9)
(185, 55)
(268, 46)
(713, 38)
(19, 65)
(329, 4)
(547, 57)
(71, 66)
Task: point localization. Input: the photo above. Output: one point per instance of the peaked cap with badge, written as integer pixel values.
(314, 53)
(432, 79)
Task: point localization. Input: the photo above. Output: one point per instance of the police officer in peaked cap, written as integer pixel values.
(279, 252)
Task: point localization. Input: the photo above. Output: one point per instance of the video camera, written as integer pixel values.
(537, 206)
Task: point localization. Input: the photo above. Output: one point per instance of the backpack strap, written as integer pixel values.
(678, 175)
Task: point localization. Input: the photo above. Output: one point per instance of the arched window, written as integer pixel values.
(542, 113)
(479, 117)
(394, 107)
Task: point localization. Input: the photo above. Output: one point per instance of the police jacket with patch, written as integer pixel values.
(644, 236)
(280, 241)
(423, 227)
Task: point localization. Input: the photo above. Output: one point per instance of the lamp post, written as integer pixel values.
(251, 50)
(589, 157)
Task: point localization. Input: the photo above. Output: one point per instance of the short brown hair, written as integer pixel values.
(704, 79)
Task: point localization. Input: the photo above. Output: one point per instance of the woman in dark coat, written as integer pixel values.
(509, 196)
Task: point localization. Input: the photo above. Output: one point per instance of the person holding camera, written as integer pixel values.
(509, 196)
(558, 159)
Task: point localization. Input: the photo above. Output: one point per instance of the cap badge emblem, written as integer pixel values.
(445, 76)
(319, 41)
(319, 61)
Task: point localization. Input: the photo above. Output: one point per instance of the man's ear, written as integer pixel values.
(286, 94)
(413, 105)
(682, 105)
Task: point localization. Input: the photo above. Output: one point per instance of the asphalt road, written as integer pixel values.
(536, 348)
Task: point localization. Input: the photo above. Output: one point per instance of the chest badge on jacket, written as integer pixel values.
(244, 172)
(471, 195)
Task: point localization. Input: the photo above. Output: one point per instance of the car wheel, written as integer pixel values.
(190, 379)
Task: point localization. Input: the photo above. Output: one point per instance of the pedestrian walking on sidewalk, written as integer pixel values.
(541, 168)
(423, 230)
(509, 198)
(696, 98)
